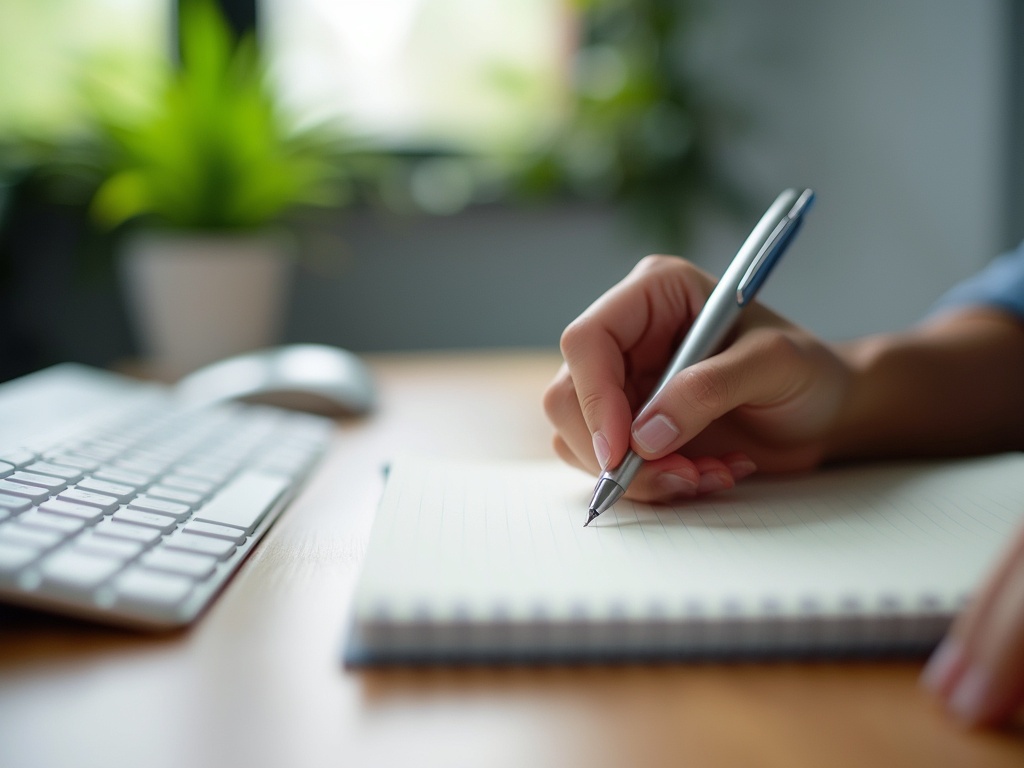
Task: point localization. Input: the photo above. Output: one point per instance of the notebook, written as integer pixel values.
(490, 562)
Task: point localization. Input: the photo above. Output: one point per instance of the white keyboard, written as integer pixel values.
(119, 503)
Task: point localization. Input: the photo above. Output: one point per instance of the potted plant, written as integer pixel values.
(200, 184)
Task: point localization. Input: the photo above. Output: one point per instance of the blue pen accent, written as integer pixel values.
(777, 244)
(759, 272)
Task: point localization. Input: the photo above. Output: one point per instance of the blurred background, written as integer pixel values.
(486, 168)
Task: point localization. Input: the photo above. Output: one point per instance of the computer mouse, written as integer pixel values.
(315, 378)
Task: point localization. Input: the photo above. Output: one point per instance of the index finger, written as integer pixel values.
(631, 329)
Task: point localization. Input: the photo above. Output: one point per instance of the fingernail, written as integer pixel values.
(601, 449)
(675, 485)
(713, 481)
(656, 434)
(969, 698)
(942, 664)
(742, 468)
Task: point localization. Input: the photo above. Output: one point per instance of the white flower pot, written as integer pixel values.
(196, 298)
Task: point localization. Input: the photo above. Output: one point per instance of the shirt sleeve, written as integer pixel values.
(1000, 284)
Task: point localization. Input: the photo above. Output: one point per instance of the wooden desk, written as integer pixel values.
(257, 681)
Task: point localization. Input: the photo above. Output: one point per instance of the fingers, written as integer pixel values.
(674, 477)
(764, 367)
(574, 442)
(670, 478)
(677, 478)
(626, 337)
(978, 670)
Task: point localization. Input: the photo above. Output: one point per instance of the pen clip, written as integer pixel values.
(772, 250)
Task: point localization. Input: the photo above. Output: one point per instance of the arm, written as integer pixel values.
(954, 385)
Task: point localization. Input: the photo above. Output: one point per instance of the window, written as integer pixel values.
(438, 75)
(54, 54)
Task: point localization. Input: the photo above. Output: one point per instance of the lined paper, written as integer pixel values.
(481, 542)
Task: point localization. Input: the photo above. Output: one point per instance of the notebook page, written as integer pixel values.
(473, 541)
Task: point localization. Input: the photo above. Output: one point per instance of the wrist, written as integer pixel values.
(860, 430)
(950, 387)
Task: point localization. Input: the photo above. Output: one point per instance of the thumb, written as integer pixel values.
(756, 369)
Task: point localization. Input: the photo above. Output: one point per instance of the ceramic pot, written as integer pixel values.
(196, 298)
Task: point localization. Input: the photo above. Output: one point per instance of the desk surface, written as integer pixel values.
(257, 681)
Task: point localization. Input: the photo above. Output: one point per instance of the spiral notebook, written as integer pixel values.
(485, 562)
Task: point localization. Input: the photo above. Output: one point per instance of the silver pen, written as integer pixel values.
(737, 288)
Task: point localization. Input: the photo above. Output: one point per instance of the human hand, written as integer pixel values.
(978, 670)
(767, 400)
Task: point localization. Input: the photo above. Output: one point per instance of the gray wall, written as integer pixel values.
(490, 276)
(895, 112)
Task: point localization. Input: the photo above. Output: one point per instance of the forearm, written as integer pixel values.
(952, 386)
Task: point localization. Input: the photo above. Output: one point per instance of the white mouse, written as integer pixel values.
(306, 377)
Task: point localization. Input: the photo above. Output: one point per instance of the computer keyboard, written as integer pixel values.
(122, 504)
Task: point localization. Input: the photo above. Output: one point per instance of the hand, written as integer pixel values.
(766, 401)
(978, 670)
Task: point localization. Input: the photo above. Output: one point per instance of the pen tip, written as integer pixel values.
(593, 514)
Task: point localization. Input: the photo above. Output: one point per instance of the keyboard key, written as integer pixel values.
(107, 546)
(162, 523)
(104, 446)
(31, 492)
(37, 519)
(208, 471)
(222, 549)
(141, 466)
(90, 499)
(14, 557)
(166, 454)
(161, 506)
(145, 588)
(244, 501)
(14, 504)
(180, 495)
(195, 484)
(136, 480)
(19, 457)
(192, 564)
(127, 531)
(285, 459)
(71, 474)
(210, 466)
(74, 460)
(5, 468)
(66, 508)
(49, 482)
(28, 536)
(98, 451)
(120, 492)
(215, 531)
(77, 571)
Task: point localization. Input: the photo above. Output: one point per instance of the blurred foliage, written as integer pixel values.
(639, 129)
(212, 151)
(205, 145)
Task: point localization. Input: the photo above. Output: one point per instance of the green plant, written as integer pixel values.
(212, 151)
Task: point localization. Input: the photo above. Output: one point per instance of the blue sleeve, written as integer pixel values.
(1000, 284)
